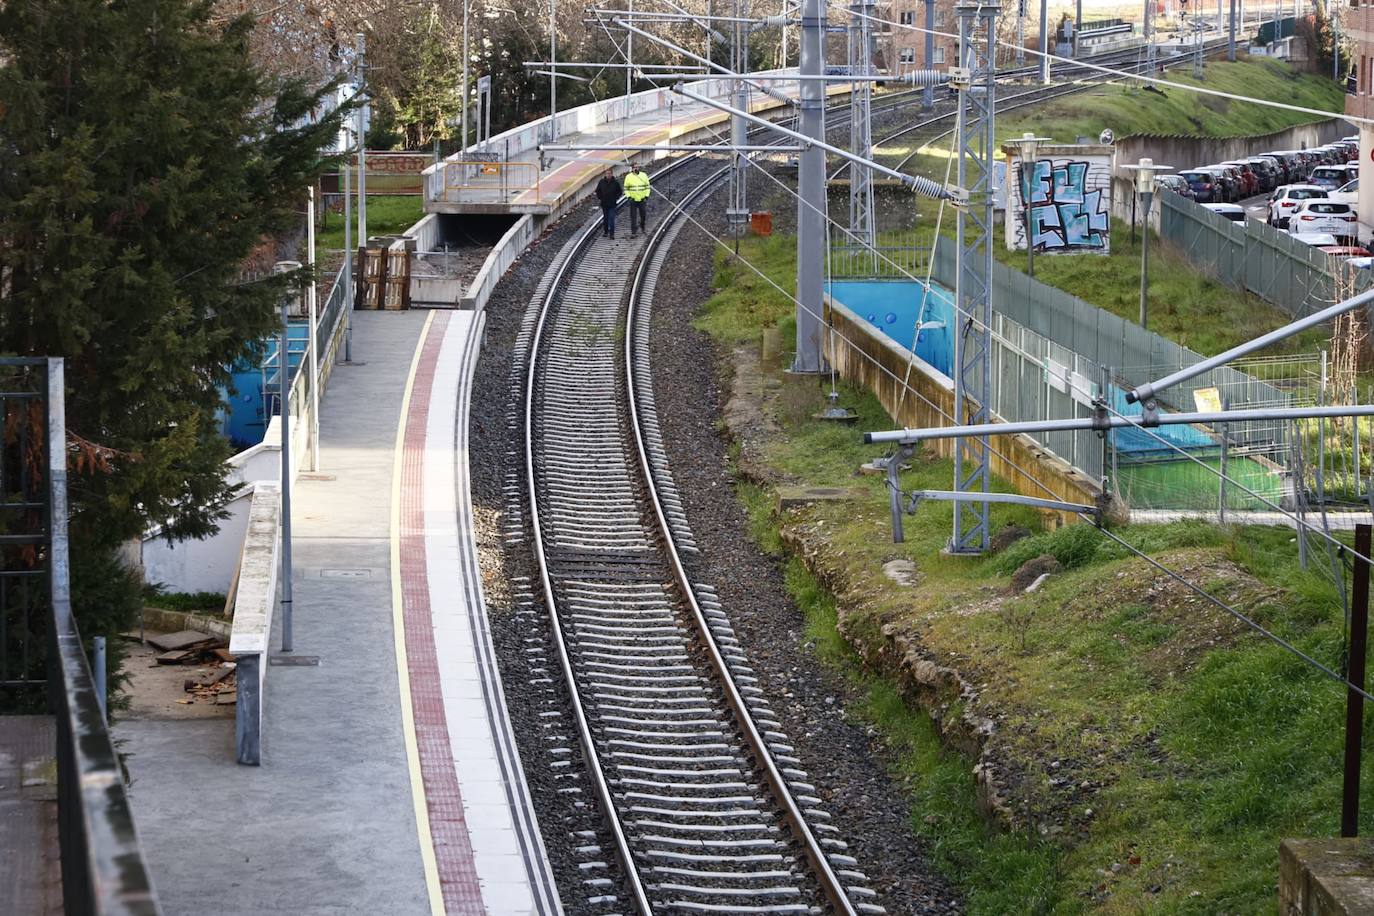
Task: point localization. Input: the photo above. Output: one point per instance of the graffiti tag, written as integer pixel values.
(1063, 214)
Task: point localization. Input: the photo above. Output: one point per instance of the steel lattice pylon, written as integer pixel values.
(973, 286)
(861, 131)
(737, 210)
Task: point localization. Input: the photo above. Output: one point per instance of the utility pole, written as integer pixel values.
(861, 223)
(1231, 35)
(811, 208)
(973, 284)
(1044, 42)
(1020, 34)
(348, 251)
(284, 411)
(362, 141)
(553, 75)
(312, 301)
(1150, 38)
(737, 211)
(466, 57)
(928, 100)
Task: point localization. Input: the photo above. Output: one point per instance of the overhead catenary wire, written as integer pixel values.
(1216, 93)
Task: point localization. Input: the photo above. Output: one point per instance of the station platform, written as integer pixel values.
(509, 174)
(390, 781)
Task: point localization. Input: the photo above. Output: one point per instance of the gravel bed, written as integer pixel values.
(532, 696)
(846, 759)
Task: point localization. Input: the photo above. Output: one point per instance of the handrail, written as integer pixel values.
(103, 868)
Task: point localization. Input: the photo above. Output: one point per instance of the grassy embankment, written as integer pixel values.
(1153, 750)
(385, 216)
(1184, 303)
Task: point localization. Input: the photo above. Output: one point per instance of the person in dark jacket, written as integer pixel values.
(608, 194)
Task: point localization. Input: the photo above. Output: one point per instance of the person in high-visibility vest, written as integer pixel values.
(637, 190)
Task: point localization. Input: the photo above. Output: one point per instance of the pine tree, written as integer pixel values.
(142, 159)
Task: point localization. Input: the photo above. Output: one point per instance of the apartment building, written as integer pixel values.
(903, 50)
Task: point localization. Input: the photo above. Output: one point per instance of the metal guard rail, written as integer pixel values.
(103, 869)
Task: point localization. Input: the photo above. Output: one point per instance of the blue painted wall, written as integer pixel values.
(892, 306)
(244, 418)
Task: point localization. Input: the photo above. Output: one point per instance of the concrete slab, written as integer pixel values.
(327, 824)
(30, 864)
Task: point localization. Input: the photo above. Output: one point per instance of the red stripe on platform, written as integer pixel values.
(447, 825)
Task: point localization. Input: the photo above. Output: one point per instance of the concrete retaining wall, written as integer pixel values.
(254, 604)
(863, 355)
(1182, 153)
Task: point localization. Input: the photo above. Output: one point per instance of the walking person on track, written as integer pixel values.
(608, 194)
(637, 189)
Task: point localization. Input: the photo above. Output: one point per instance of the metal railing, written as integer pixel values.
(103, 868)
(508, 179)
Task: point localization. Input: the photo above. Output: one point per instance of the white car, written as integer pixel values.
(1234, 212)
(1285, 200)
(1347, 193)
(1324, 215)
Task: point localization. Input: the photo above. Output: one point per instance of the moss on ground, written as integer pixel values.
(1151, 750)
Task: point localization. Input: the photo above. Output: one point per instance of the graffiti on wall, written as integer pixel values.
(1063, 205)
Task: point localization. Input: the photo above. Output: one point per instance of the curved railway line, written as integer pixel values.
(708, 807)
(705, 803)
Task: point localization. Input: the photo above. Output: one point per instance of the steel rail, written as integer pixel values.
(825, 875)
(585, 739)
(584, 734)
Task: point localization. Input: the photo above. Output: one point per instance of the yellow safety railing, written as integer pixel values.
(508, 179)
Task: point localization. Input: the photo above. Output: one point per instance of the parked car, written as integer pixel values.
(1347, 193)
(1329, 177)
(1268, 172)
(1251, 185)
(1229, 181)
(1297, 164)
(1177, 184)
(1324, 215)
(1346, 251)
(1204, 185)
(1281, 168)
(1285, 200)
(1317, 239)
(1234, 212)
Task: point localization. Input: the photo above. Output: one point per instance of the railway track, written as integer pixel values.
(706, 805)
(1126, 60)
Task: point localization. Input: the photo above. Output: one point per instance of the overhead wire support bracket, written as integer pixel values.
(923, 186)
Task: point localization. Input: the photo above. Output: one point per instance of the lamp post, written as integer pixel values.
(1030, 145)
(1145, 172)
(284, 409)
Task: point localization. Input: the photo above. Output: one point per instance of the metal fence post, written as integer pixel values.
(98, 675)
(1354, 702)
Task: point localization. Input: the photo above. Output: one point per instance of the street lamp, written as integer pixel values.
(1029, 144)
(1145, 173)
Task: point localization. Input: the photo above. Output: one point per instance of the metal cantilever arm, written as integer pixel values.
(1147, 391)
(922, 186)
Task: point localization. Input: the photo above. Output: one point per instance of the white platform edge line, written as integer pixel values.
(537, 865)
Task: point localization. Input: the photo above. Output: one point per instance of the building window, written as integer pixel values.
(939, 57)
(908, 17)
(907, 56)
